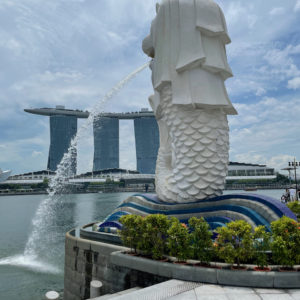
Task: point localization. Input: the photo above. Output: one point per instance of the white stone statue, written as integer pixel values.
(190, 102)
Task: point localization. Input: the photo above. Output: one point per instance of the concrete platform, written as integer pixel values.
(239, 278)
(184, 290)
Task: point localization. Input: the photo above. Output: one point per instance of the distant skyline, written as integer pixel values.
(71, 52)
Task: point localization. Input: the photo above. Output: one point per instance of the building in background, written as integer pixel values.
(32, 177)
(63, 127)
(106, 140)
(146, 143)
(4, 175)
(240, 176)
(106, 143)
(239, 171)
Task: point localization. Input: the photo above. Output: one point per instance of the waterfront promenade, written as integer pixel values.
(136, 188)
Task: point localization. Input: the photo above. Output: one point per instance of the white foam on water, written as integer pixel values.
(31, 263)
(44, 219)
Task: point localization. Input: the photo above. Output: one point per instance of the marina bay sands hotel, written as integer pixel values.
(63, 127)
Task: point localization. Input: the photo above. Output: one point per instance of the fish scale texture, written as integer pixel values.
(196, 165)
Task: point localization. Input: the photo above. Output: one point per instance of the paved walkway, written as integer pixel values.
(184, 290)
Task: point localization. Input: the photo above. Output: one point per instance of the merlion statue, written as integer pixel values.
(189, 66)
(190, 102)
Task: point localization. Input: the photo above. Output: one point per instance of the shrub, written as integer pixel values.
(201, 239)
(261, 244)
(179, 240)
(234, 242)
(286, 242)
(295, 208)
(154, 232)
(131, 233)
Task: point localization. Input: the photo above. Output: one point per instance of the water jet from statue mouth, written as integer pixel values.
(30, 263)
(43, 222)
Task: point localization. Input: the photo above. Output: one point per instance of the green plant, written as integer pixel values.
(286, 242)
(46, 182)
(154, 232)
(132, 231)
(234, 242)
(261, 244)
(295, 208)
(201, 239)
(122, 182)
(179, 240)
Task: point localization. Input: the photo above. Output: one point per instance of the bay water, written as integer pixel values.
(24, 279)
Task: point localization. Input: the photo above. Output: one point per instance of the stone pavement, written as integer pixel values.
(184, 290)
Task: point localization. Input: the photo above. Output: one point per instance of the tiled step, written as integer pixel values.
(164, 290)
(113, 296)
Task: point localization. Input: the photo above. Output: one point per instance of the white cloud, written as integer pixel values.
(280, 161)
(278, 59)
(294, 83)
(36, 153)
(73, 52)
(260, 91)
(257, 66)
(259, 133)
(251, 157)
(277, 162)
(297, 6)
(277, 11)
(237, 12)
(260, 66)
(18, 155)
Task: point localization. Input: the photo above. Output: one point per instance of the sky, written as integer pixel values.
(72, 52)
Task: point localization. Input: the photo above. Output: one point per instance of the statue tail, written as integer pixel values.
(197, 167)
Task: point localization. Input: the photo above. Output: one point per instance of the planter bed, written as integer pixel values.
(224, 276)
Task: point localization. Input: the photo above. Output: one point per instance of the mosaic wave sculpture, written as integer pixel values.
(254, 209)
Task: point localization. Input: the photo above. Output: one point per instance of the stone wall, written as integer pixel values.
(87, 260)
